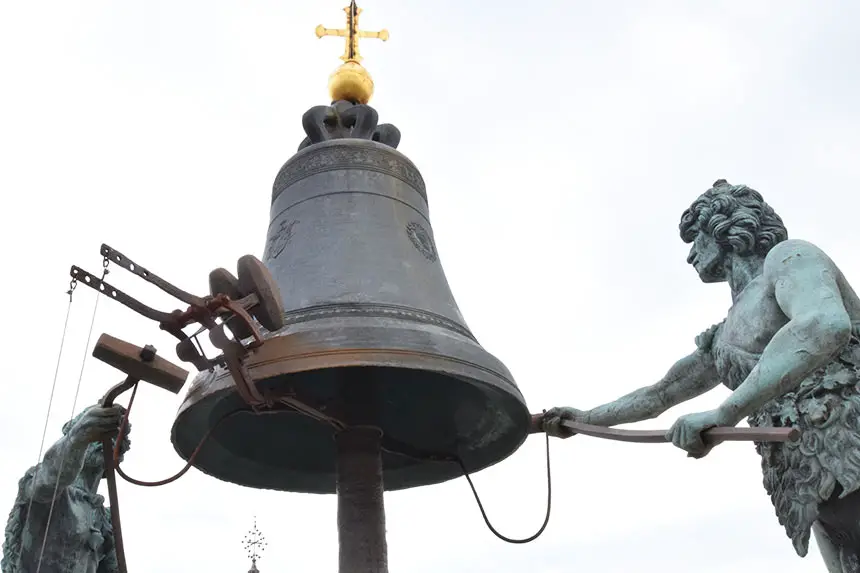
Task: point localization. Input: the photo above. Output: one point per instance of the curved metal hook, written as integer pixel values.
(110, 469)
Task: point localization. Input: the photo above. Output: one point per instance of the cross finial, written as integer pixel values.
(351, 33)
(351, 82)
(255, 544)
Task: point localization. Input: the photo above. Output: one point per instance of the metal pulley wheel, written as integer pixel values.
(255, 278)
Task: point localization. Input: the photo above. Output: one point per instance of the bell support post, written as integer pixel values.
(360, 505)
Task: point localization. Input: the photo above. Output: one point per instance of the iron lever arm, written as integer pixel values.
(98, 284)
(712, 436)
(173, 322)
(118, 258)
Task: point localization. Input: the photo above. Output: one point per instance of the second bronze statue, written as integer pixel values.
(790, 352)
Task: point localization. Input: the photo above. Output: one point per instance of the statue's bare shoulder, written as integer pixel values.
(793, 255)
(804, 278)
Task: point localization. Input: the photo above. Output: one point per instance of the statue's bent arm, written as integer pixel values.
(806, 287)
(691, 376)
(58, 469)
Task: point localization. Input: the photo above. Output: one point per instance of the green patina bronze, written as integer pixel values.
(77, 537)
(789, 349)
(790, 352)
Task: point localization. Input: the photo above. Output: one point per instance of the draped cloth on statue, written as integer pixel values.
(800, 476)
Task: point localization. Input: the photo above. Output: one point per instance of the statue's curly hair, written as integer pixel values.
(737, 217)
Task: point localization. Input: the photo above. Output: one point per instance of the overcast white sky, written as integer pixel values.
(560, 141)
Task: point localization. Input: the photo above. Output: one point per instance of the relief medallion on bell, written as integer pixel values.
(280, 239)
(422, 240)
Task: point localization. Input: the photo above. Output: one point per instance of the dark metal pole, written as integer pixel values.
(360, 506)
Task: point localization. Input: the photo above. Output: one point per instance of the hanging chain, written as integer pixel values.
(70, 292)
(73, 284)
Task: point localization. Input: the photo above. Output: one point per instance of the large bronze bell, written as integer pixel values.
(372, 333)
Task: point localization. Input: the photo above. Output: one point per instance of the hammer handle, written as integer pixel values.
(712, 436)
(110, 476)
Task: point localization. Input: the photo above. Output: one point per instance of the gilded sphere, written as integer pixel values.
(351, 82)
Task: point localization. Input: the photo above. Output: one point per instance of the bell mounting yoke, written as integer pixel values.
(233, 303)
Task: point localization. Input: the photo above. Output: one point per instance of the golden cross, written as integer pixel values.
(352, 33)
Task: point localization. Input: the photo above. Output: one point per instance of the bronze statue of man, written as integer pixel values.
(789, 351)
(59, 523)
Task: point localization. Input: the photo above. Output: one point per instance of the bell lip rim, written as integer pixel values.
(457, 472)
(349, 358)
(386, 488)
(276, 342)
(221, 377)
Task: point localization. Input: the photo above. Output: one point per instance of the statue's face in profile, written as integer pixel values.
(708, 258)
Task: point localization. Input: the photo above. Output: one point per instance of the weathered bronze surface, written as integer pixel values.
(368, 316)
(59, 523)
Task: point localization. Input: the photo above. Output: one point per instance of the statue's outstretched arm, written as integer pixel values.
(805, 283)
(691, 376)
(58, 469)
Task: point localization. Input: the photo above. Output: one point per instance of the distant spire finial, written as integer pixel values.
(255, 544)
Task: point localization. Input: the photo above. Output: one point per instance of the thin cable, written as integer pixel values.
(548, 503)
(74, 406)
(193, 455)
(401, 449)
(51, 400)
(191, 458)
